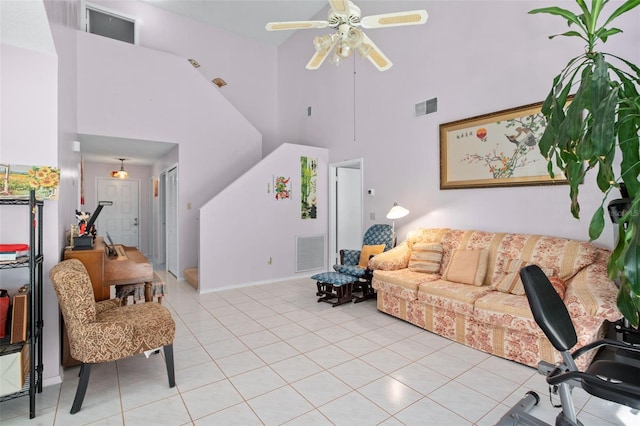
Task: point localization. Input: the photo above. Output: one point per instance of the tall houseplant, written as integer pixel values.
(600, 125)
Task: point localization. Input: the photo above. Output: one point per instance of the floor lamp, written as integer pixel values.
(396, 212)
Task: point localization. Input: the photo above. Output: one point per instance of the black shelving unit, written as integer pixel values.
(33, 382)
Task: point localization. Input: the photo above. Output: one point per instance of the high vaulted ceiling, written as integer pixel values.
(246, 17)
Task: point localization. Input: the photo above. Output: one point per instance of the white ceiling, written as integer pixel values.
(107, 149)
(246, 17)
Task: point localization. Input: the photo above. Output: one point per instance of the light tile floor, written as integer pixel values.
(270, 354)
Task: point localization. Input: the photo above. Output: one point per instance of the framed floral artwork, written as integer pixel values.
(18, 180)
(496, 149)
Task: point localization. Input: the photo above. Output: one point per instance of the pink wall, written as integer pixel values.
(244, 225)
(476, 57)
(28, 136)
(249, 67)
(135, 92)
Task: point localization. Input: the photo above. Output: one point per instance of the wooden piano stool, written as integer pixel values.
(142, 291)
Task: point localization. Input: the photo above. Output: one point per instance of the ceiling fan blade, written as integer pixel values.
(413, 17)
(340, 7)
(374, 54)
(295, 25)
(318, 58)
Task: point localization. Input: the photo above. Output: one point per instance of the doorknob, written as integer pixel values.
(135, 221)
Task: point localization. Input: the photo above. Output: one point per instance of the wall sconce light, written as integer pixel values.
(122, 173)
(396, 212)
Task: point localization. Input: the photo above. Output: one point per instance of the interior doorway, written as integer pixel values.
(120, 220)
(345, 207)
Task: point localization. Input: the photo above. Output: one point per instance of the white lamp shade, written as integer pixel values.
(397, 212)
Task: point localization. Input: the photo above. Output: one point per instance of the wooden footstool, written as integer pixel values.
(334, 285)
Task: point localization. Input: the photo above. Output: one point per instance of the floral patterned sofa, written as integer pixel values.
(481, 303)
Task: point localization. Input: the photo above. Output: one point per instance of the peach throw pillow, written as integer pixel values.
(367, 252)
(467, 267)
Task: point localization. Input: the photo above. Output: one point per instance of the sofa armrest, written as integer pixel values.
(391, 260)
(591, 293)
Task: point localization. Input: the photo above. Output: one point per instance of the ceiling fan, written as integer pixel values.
(346, 18)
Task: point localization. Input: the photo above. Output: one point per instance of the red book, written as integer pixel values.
(14, 247)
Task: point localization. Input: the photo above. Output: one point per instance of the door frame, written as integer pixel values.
(175, 215)
(356, 163)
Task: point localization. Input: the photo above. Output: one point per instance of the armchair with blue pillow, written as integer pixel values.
(377, 239)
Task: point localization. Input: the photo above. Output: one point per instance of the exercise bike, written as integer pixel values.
(610, 379)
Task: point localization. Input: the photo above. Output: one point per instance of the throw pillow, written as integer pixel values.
(467, 267)
(367, 252)
(559, 285)
(425, 257)
(510, 282)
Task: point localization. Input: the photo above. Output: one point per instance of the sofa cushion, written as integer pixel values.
(402, 283)
(425, 257)
(506, 310)
(452, 296)
(467, 267)
(367, 252)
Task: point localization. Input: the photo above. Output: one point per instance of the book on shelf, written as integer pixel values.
(9, 252)
(19, 317)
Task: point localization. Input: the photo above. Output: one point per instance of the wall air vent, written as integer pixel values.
(310, 252)
(107, 23)
(426, 107)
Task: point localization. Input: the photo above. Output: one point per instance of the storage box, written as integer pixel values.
(14, 367)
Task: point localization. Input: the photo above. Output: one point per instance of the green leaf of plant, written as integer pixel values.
(597, 224)
(624, 8)
(603, 34)
(632, 252)
(558, 11)
(569, 34)
(604, 117)
(627, 306)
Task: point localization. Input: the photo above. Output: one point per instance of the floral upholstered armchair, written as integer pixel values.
(377, 239)
(105, 331)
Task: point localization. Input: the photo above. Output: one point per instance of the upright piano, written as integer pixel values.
(104, 271)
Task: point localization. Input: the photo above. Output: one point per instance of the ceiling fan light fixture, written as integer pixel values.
(343, 50)
(346, 19)
(323, 44)
(122, 173)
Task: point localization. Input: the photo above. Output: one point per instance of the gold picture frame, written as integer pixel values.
(496, 149)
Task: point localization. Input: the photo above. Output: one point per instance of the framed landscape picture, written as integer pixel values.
(496, 149)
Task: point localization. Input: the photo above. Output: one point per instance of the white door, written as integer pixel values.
(348, 209)
(345, 218)
(172, 221)
(121, 220)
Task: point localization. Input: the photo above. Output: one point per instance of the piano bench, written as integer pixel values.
(142, 291)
